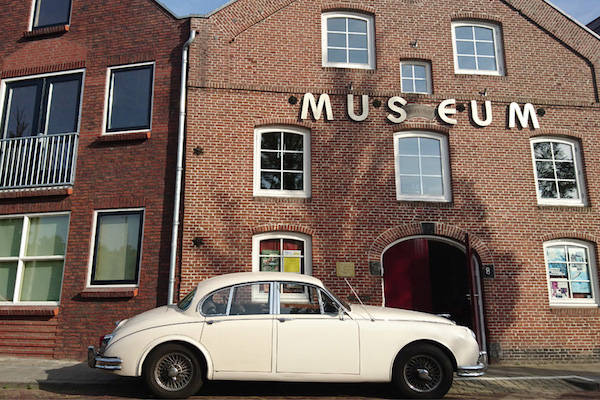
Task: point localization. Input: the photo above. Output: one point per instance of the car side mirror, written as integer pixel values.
(341, 313)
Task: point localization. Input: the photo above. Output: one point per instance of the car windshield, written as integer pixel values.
(342, 302)
(185, 302)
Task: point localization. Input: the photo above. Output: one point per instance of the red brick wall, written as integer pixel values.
(253, 55)
(136, 173)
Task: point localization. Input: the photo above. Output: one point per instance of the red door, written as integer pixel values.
(407, 280)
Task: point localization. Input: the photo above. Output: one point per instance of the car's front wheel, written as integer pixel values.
(172, 371)
(423, 371)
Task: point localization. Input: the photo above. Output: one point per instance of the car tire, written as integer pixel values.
(172, 371)
(423, 371)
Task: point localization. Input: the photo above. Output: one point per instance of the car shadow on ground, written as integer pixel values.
(80, 380)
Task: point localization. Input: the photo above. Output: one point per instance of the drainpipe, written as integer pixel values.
(179, 170)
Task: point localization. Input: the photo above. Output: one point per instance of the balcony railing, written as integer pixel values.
(38, 161)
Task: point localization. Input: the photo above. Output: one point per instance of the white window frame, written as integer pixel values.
(576, 149)
(370, 39)
(256, 239)
(93, 246)
(445, 161)
(498, 48)
(427, 66)
(108, 97)
(574, 302)
(3, 91)
(21, 259)
(258, 191)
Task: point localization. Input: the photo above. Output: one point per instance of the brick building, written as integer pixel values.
(339, 139)
(88, 98)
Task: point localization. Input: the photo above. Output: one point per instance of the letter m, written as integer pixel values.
(316, 109)
(528, 113)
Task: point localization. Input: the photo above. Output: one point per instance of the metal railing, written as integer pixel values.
(38, 161)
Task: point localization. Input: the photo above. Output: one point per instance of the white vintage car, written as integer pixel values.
(272, 326)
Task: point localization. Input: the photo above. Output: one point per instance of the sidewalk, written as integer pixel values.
(563, 378)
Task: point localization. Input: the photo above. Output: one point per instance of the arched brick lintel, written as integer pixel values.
(423, 126)
(443, 230)
(475, 16)
(283, 228)
(282, 121)
(346, 6)
(587, 237)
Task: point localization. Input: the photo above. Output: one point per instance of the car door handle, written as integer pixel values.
(210, 322)
(282, 319)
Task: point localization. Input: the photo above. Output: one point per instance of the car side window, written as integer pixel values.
(216, 303)
(297, 298)
(329, 305)
(252, 299)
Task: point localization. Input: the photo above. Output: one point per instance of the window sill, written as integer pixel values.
(367, 70)
(109, 293)
(275, 199)
(425, 202)
(50, 30)
(575, 310)
(16, 194)
(468, 74)
(123, 137)
(573, 207)
(37, 311)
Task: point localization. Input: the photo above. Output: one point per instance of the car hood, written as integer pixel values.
(165, 315)
(395, 314)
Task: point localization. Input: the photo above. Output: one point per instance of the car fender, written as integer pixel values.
(176, 338)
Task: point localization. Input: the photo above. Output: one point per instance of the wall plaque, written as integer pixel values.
(375, 268)
(345, 269)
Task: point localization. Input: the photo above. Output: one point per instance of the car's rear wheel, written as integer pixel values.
(173, 371)
(423, 371)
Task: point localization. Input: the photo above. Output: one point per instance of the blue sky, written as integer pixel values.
(583, 10)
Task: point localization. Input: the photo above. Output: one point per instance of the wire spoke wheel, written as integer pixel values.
(174, 371)
(423, 373)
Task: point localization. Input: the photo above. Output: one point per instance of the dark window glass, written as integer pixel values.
(298, 299)
(250, 299)
(51, 12)
(63, 96)
(130, 98)
(329, 306)
(23, 107)
(117, 248)
(555, 170)
(45, 105)
(277, 162)
(216, 303)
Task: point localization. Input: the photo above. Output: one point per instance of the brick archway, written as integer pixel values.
(283, 228)
(428, 228)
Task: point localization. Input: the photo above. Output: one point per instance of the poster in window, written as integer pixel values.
(291, 261)
(560, 290)
(557, 270)
(556, 254)
(270, 264)
(579, 272)
(581, 290)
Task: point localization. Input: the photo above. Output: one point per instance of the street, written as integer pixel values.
(507, 388)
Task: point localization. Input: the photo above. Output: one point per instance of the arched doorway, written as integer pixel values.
(431, 274)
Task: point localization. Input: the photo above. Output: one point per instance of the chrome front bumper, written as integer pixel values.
(472, 371)
(97, 360)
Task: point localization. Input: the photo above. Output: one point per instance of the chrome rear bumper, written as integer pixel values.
(96, 360)
(471, 371)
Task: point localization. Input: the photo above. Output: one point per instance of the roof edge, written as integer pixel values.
(564, 13)
(176, 16)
